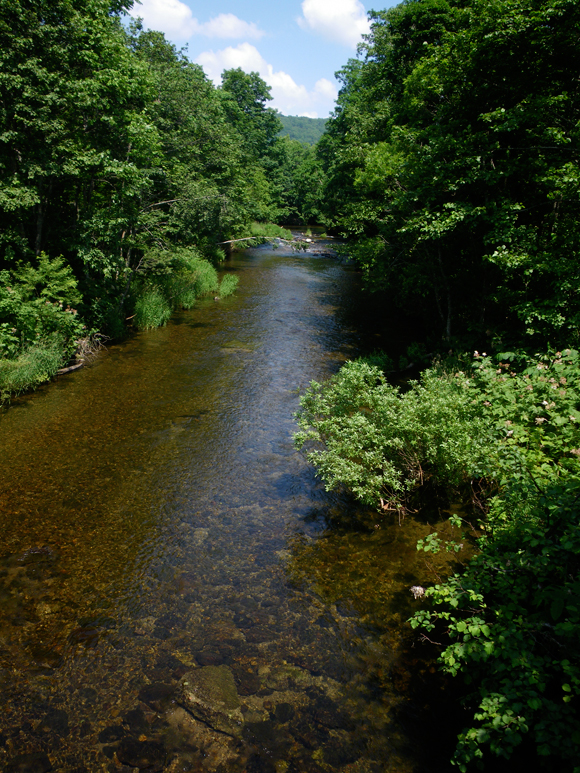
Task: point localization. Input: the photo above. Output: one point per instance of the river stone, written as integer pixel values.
(37, 762)
(210, 694)
(111, 733)
(55, 721)
(156, 694)
(145, 755)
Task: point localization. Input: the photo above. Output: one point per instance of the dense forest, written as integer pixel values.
(123, 169)
(303, 129)
(451, 167)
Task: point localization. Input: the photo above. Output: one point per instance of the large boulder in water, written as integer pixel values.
(210, 694)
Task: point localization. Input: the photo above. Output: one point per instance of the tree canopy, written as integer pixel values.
(452, 163)
(116, 152)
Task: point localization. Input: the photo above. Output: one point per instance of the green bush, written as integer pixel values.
(37, 303)
(379, 442)
(228, 285)
(512, 618)
(510, 621)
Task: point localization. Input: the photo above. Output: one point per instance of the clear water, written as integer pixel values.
(156, 518)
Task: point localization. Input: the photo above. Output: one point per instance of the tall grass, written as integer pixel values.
(228, 285)
(269, 231)
(182, 276)
(36, 364)
(152, 308)
(206, 278)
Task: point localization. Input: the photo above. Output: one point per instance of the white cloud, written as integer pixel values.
(342, 21)
(176, 20)
(244, 55)
(226, 25)
(289, 97)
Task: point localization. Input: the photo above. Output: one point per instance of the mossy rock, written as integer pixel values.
(210, 694)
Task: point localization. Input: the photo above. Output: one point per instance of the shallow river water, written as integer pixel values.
(158, 522)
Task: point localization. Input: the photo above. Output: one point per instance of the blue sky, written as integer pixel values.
(295, 45)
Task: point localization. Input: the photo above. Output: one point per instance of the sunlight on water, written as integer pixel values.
(157, 522)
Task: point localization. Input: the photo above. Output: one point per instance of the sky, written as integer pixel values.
(296, 46)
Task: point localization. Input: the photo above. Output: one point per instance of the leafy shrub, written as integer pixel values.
(228, 285)
(512, 618)
(510, 621)
(380, 443)
(37, 304)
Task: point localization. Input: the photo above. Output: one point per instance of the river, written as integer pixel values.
(157, 520)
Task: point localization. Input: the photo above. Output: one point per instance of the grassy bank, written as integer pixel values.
(41, 329)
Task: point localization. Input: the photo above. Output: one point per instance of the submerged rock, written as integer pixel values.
(111, 733)
(55, 721)
(210, 694)
(156, 694)
(145, 755)
(29, 763)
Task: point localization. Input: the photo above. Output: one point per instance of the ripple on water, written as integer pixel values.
(158, 521)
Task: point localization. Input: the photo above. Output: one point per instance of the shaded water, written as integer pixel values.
(156, 519)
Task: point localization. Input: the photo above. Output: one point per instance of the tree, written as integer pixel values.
(451, 163)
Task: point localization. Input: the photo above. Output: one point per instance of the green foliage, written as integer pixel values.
(269, 231)
(380, 443)
(36, 303)
(510, 621)
(174, 280)
(245, 96)
(31, 367)
(302, 129)
(451, 165)
(228, 285)
(152, 308)
(296, 182)
(512, 618)
(203, 275)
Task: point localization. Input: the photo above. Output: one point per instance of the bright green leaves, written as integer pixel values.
(510, 622)
(381, 443)
(37, 304)
(453, 157)
(52, 281)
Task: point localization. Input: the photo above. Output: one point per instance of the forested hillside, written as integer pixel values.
(451, 166)
(301, 128)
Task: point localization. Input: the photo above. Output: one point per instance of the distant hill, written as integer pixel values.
(307, 130)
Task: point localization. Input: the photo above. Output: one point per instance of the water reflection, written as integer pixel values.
(158, 524)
